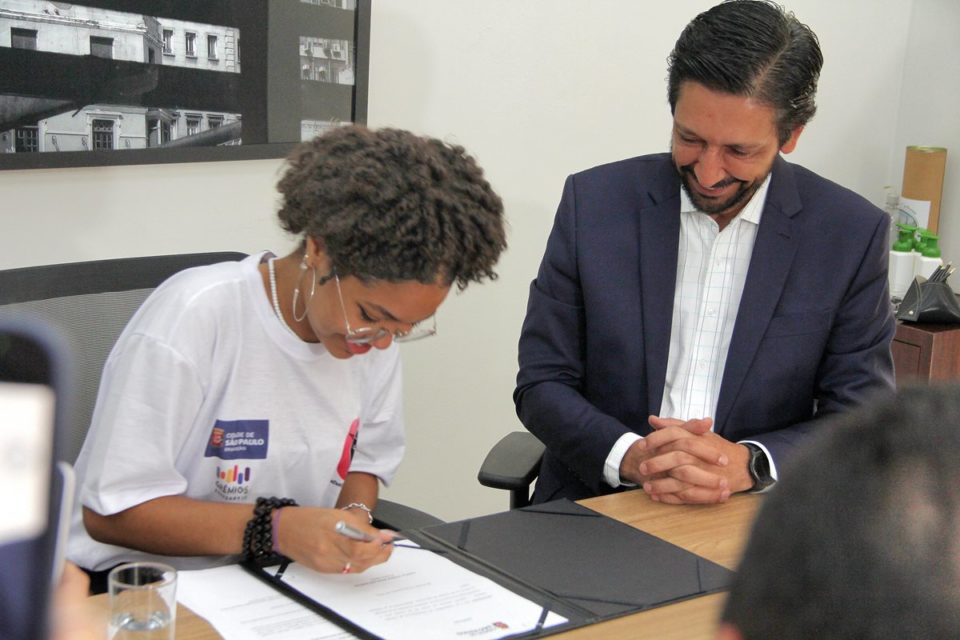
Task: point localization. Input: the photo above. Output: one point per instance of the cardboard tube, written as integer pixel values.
(923, 171)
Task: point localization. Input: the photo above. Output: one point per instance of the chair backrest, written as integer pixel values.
(89, 303)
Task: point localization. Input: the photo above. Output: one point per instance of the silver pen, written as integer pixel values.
(352, 532)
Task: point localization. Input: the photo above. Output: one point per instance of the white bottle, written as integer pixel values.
(902, 263)
(892, 207)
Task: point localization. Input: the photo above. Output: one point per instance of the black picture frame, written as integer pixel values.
(268, 93)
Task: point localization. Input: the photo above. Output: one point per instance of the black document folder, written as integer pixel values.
(565, 557)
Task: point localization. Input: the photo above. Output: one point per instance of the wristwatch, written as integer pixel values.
(759, 468)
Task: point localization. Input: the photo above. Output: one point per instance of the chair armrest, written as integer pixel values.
(392, 515)
(513, 464)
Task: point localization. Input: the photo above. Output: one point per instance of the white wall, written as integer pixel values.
(536, 90)
(539, 89)
(930, 92)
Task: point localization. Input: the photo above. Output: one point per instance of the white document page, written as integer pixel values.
(417, 595)
(420, 595)
(243, 607)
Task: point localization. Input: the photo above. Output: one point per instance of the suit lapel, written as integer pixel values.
(773, 253)
(659, 240)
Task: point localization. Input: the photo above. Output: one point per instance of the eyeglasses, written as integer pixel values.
(366, 335)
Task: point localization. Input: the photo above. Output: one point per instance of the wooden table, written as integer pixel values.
(190, 626)
(715, 532)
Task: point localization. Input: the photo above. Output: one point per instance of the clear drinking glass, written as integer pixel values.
(143, 601)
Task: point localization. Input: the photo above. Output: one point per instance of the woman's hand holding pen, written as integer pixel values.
(309, 536)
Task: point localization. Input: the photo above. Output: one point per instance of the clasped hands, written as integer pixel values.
(684, 462)
(308, 536)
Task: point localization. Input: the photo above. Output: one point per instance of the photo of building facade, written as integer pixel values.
(104, 117)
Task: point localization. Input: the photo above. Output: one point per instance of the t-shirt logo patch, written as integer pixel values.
(238, 440)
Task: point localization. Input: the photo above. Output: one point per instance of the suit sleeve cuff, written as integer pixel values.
(611, 468)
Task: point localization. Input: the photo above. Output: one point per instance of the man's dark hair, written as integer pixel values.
(861, 537)
(751, 48)
(390, 205)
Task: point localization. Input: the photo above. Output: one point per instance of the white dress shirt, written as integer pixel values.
(711, 271)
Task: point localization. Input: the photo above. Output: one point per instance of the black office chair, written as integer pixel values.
(513, 464)
(90, 304)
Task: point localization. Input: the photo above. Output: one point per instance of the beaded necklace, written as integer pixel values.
(273, 296)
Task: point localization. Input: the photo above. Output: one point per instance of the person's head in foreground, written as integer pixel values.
(861, 536)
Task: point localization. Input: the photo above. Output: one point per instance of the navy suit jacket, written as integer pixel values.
(812, 335)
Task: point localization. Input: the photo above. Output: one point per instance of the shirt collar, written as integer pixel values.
(751, 212)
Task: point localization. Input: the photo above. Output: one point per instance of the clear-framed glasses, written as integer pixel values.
(366, 335)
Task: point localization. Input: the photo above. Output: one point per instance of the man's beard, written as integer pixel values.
(715, 206)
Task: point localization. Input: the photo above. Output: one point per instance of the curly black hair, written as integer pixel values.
(390, 205)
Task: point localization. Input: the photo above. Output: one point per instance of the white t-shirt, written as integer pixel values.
(207, 395)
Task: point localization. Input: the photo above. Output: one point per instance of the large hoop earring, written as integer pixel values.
(296, 290)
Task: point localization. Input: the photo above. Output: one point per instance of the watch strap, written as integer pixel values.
(758, 466)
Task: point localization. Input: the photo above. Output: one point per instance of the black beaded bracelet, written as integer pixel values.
(258, 536)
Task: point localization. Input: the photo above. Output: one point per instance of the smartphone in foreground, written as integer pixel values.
(33, 484)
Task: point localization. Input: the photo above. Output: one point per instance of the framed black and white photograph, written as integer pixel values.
(105, 82)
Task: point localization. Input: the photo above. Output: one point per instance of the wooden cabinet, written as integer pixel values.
(926, 352)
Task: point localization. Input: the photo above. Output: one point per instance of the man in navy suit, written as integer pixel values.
(698, 313)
